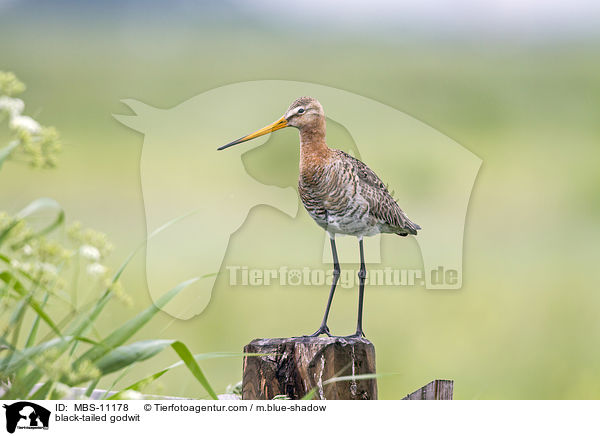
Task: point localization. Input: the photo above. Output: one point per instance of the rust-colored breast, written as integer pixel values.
(313, 187)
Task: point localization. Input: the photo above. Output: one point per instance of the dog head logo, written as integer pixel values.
(26, 415)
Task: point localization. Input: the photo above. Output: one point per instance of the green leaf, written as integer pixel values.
(127, 355)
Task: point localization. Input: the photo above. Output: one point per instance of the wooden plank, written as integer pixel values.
(436, 390)
(294, 366)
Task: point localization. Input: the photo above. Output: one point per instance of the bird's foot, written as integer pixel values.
(358, 334)
(322, 330)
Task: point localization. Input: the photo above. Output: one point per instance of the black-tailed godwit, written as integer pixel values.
(342, 194)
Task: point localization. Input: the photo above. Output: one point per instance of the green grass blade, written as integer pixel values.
(7, 230)
(86, 321)
(91, 387)
(7, 277)
(31, 337)
(127, 330)
(310, 394)
(147, 349)
(190, 362)
(86, 340)
(150, 236)
(352, 378)
(83, 324)
(15, 320)
(140, 384)
(43, 391)
(36, 323)
(6, 151)
(22, 389)
(116, 381)
(36, 206)
(35, 281)
(22, 357)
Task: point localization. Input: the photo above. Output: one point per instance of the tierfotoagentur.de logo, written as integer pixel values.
(25, 415)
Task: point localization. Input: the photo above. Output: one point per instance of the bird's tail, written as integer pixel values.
(409, 228)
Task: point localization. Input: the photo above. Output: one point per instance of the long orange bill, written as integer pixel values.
(279, 124)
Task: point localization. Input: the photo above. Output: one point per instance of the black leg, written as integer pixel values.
(362, 274)
(336, 276)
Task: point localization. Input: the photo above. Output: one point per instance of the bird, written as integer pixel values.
(341, 193)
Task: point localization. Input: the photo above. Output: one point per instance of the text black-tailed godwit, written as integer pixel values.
(342, 194)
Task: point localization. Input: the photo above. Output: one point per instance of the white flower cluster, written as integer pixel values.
(26, 123)
(92, 254)
(96, 269)
(14, 107)
(89, 252)
(39, 144)
(27, 267)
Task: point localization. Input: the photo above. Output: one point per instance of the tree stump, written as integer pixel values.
(294, 366)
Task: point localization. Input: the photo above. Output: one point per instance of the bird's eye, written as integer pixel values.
(300, 111)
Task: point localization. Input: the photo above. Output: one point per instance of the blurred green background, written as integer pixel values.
(524, 97)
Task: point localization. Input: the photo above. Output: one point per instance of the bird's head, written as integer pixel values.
(303, 113)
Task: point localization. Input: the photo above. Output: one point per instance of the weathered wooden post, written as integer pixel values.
(294, 366)
(435, 390)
